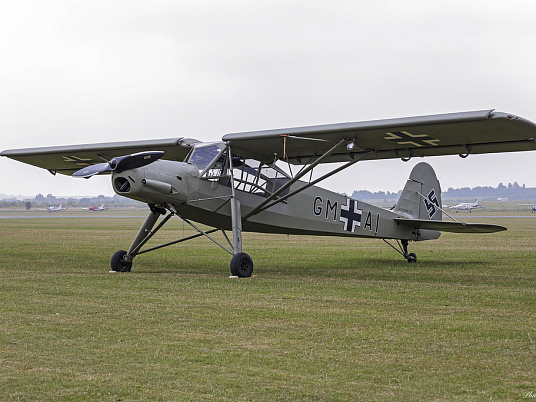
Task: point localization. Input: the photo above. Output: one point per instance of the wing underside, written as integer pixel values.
(448, 134)
(68, 159)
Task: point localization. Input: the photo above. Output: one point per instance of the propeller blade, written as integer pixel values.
(120, 164)
(137, 160)
(92, 170)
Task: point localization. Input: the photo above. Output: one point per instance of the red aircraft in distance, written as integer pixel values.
(96, 208)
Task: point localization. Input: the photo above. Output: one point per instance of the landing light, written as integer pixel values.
(350, 145)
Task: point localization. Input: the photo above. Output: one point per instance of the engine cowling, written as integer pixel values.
(160, 182)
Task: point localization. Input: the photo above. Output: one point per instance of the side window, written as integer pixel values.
(257, 178)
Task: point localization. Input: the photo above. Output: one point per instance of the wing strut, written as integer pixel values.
(298, 176)
(269, 202)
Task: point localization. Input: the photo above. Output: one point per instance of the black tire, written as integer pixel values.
(241, 265)
(118, 262)
(412, 257)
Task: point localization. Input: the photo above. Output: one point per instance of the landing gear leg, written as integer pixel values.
(122, 260)
(241, 263)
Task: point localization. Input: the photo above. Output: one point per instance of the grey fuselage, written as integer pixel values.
(314, 211)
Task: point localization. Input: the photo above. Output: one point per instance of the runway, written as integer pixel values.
(95, 216)
(500, 216)
(55, 216)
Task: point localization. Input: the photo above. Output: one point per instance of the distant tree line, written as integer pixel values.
(511, 191)
(41, 201)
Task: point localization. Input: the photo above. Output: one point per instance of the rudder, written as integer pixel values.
(421, 196)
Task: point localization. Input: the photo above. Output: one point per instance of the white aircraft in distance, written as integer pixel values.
(262, 181)
(529, 205)
(464, 206)
(96, 208)
(54, 208)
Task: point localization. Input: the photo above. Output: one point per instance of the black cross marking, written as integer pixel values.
(78, 161)
(406, 138)
(350, 215)
(431, 203)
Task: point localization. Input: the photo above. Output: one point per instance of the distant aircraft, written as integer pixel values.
(529, 205)
(262, 181)
(96, 208)
(464, 206)
(54, 208)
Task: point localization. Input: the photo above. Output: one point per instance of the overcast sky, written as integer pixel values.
(96, 71)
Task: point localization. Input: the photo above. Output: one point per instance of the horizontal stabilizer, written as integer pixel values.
(447, 226)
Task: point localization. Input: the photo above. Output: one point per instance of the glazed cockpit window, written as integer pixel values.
(202, 156)
(258, 178)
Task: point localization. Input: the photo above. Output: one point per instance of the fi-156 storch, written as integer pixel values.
(238, 184)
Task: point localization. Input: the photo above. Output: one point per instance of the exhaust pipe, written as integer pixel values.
(159, 186)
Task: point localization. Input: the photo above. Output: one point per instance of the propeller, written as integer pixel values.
(120, 163)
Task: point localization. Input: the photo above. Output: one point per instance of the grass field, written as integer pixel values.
(324, 318)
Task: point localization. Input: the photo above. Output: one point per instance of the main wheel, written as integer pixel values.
(412, 257)
(118, 262)
(241, 265)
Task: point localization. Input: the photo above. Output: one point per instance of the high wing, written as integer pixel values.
(68, 159)
(463, 133)
(448, 226)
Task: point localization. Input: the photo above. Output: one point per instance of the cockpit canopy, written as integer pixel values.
(249, 175)
(203, 155)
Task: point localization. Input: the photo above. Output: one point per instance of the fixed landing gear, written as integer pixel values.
(403, 250)
(119, 263)
(410, 257)
(241, 265)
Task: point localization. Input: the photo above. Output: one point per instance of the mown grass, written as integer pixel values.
(324, 318)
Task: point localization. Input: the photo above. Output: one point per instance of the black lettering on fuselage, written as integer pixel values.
(317, 206)
(368, 222)
(331, 208)
(377, 224)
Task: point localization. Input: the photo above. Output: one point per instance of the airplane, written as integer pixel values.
(95, 208)
(262, 181)
(54, 208)
(464, 206)
(533, 210)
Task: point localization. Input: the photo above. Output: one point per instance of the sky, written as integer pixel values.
(78, 72)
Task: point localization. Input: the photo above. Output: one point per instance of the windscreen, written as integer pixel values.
(202, 156)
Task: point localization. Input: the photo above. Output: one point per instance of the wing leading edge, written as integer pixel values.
(447, 134)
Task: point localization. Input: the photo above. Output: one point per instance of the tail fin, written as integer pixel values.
(421, 196)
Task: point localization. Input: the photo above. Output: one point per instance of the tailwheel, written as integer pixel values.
(241, 265)
(403, 250)
(411, 257)
(118, 262)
